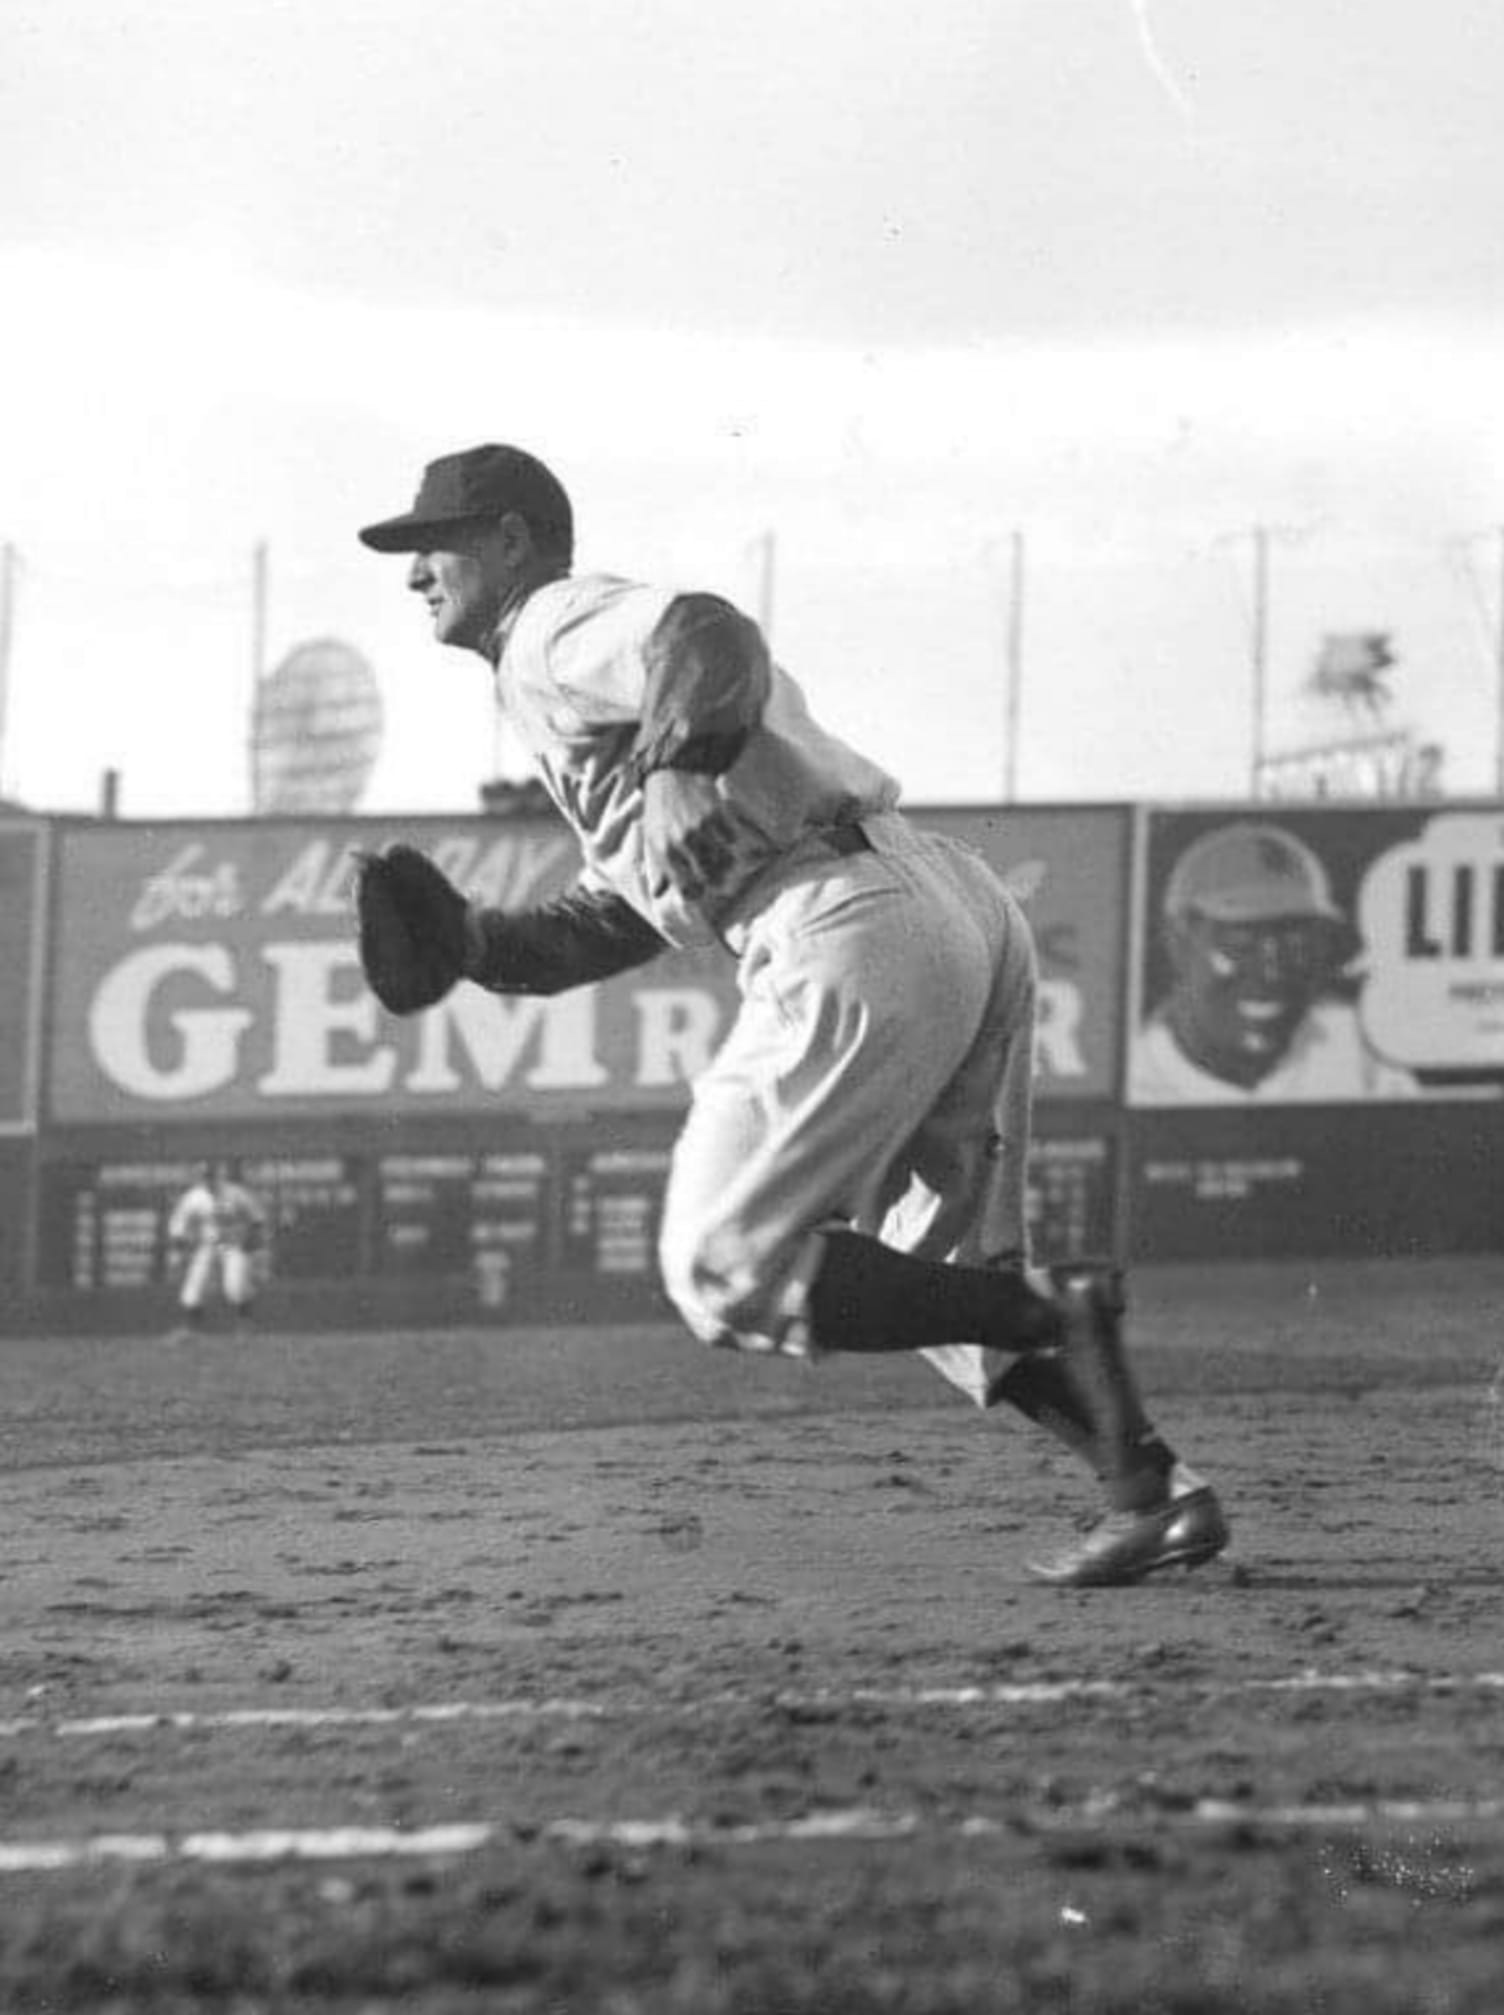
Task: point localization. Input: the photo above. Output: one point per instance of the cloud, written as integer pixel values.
(164, 413)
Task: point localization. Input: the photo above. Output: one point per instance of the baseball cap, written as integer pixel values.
(1248, 873)
(484, 482)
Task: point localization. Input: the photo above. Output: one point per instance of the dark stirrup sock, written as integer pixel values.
(1132, 1459)
(1042, 1390)
(867, 1297)
(1151, 1464)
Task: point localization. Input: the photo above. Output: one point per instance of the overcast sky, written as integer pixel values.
(892, 283)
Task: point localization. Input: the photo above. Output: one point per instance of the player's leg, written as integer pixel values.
(866, 1295)
(1161, 1513)
(954, 1211)
(859, 996)
(956, 1202)
(239, 1285)
(193, 1292)
(967, 1198)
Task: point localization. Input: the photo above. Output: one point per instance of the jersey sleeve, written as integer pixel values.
(182, 1224)
(707, 678)
(587, 934)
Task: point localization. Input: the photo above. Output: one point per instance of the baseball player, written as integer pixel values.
(214, 1236)
(1255, 941)
(850, 1174)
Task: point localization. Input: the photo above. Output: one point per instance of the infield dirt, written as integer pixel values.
(778, 1721)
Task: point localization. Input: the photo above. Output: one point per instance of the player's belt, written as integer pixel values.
(836, 841)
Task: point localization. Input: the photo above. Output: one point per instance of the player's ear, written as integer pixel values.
(513, 540)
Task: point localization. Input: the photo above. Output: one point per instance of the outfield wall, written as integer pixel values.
(172, 991)
(1384, 1130)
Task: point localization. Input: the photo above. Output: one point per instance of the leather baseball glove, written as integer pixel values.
(414, 940)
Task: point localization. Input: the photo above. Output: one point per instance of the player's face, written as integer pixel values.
(467, 581)
(1242, 989)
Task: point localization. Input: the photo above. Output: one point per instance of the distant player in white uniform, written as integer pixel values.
(215, 1236)
(1255, 944)
(851, 1172)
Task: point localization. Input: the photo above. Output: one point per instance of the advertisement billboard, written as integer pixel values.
(1069, 867)
(1316, 1038)
(17, 1189)
(1332, 956)
(209, 971)
(1376, 1181)
(23, 858)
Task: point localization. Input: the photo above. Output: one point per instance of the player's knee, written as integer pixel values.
(696, 1292)
(720, 1297)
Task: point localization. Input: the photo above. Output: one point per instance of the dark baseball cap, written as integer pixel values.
(485, 482)
(1249, 873)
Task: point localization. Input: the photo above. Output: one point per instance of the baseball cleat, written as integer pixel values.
(1126, 1546)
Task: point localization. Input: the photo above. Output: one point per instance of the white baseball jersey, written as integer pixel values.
(1327, 1060)
(228, 1217)
(576, 667)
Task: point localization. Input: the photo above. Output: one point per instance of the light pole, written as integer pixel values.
(766, 546)
(1013, 663)
(1499, 666)
(1259, 652)
(260, 584)
(7, 618)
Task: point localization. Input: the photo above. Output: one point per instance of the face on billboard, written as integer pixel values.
(1241, 990)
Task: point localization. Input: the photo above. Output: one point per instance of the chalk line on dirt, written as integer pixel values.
(356, 1843)
(306, 1717)
(1002, 1693)
(1050, 1691)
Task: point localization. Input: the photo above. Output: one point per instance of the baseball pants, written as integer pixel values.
(226, 1265)
(879, 1074)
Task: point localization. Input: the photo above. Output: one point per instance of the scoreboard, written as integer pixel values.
(541, 1220)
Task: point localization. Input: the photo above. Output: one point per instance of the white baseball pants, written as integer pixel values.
(879, 1072)
(224, 1265)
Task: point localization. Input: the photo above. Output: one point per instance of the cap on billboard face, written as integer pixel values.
(485, 482)
(1248, 873)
